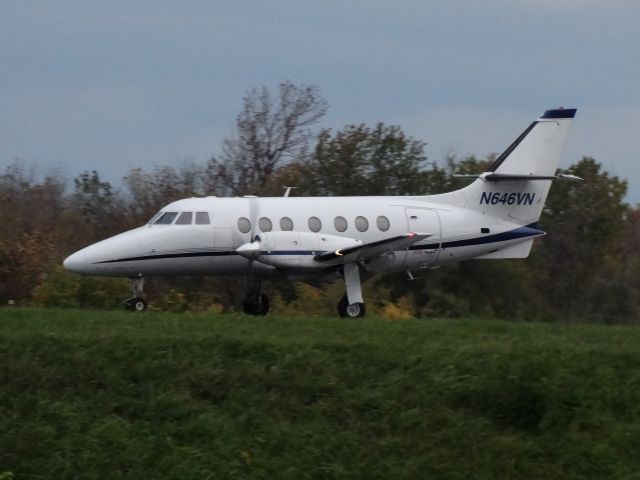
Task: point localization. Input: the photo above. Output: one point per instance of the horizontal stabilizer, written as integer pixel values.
(504, 177)
(373, 249)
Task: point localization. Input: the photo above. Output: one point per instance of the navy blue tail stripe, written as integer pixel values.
(560, 113)
(522, 232)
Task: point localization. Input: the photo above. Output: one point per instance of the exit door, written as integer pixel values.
(424, 253)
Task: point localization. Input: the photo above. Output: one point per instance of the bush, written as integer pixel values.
(63, 289)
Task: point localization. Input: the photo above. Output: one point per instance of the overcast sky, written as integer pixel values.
(120, 84)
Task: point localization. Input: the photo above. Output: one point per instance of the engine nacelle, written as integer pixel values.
(293, 249)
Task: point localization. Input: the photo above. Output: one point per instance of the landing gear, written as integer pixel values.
(353, 310)
(136, 302)
(255, 302)
(352, 304)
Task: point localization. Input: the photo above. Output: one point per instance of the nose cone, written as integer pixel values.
(76, 262)
(249, 250)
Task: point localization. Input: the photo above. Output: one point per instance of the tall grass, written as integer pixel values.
(87, 394)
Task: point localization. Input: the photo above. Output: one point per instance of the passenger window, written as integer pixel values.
(383, 223)
(265, 224)
(166, 218)
(315, 224)
(362, 224)
(340, 223)
(184, 218)
(202, 218)
(244, 225)
(286, 224)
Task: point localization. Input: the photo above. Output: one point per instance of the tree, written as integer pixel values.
(34, 228)
(585, 223)
(269, 129)
(98, 210)
(149, 191)
(359, 160)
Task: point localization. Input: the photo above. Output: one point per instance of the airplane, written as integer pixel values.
(324, 239)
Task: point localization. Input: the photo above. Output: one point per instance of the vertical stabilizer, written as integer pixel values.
(516, 185)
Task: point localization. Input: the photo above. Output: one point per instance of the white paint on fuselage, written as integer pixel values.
(210, 249)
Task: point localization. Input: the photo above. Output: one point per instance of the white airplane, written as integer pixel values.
(322, 239)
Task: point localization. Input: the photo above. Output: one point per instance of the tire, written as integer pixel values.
(355, 310)
(256, 305)
(136, 304)
(139, 305)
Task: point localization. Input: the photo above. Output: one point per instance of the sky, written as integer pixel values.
(117, 85)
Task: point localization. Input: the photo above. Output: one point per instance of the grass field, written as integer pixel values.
(88, 394)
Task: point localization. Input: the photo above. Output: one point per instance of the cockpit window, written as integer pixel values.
(154, 218)
(166, 218)
(202, 218)
(184, 218)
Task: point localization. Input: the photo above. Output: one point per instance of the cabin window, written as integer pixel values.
(244, 225)
(340, 223)
(314, 224)
(383, 223)
(166, 218)
(184, 218)
(362, 224)
(286, 224)
(265, 224)
(485, 230)
(202, 218)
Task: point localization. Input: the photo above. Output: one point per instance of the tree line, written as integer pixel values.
(586, 268)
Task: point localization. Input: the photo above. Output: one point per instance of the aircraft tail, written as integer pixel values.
(516, 185)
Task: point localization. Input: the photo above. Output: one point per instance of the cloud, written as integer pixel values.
(115, 85)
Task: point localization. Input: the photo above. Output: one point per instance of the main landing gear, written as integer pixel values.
(352, 304)
(136, 302)
(353, 310)
(255, 302)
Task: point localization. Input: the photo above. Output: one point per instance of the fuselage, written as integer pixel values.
(203, 236)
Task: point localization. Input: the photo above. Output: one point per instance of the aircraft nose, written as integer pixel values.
(76, 262)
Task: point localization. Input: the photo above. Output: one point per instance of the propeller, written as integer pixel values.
(256, 302)
(254, 239)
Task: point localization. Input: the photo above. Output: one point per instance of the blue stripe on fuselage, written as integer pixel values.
(520, 232)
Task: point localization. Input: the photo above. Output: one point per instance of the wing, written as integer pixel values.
(374, 249)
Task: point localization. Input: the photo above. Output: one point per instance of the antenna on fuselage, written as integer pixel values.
(287, 191)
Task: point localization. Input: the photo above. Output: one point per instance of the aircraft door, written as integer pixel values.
(423, 254)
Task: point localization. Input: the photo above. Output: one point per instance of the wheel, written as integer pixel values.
(136, 304)
(140, 305)
(354, 310)
(257, 305)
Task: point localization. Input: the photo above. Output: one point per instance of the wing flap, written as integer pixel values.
(372, 249)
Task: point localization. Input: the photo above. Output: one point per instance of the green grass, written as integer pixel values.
(87, 394)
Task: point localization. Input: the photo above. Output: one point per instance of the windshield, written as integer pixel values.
(155, 217)
(166, 218)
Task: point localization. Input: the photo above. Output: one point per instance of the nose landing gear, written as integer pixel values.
(136, 302)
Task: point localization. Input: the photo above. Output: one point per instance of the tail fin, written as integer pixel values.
(516, 185)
